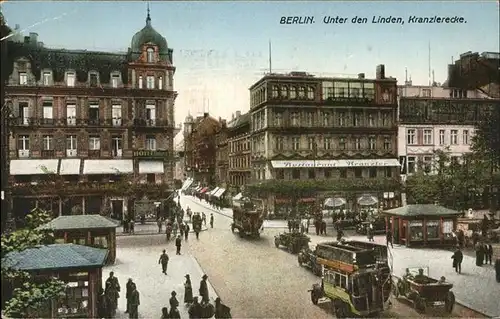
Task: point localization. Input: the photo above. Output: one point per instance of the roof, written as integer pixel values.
(241, 120)
(61, 60)
(56, 256)
(149, 35)
(422, 210)
(80, 222)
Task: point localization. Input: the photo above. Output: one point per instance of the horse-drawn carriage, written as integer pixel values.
(294, 241)
(424, 292)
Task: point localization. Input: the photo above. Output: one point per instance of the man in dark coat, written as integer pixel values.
(195, 309)
(479, 254)
(221, 310)
(188, 290)
(163, 261)
(186, 231)
(211, 220)
(181, 229)
(178, 244)
(128, 291)
(134, 303)
(112, 291)
(102, 305)
(489, 253)
(457, 257)
(204, 289)
(168, 231)
(174, 303)
(497, 269)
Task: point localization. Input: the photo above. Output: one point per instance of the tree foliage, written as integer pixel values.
(29, 296)
(486, 140)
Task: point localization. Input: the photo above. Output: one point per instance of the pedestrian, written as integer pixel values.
(211, 220)
(323, 227)
(186, 231)
(178, 244)
(307, 226)
(168, 231)
(497, 269)
(102, 305)
(181, 229)
(489, 253)
(188, 290)
(388, 238)
(175, 228)
(457, 257)
(479, 254)
(128, 291)
(204, 289)
(164, 313)
(164, 261)
(160, 224)
(485, 254)
(369, 233)
(195, 309)
(134, 303)
(174, 303)
(221, 310)
(340, 234)
(112, 292)
(132, 226)
(204, 219)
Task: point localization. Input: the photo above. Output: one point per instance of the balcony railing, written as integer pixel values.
(94, 153)
(69, 121)
(150, 123)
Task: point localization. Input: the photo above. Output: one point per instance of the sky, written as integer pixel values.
(222, 48)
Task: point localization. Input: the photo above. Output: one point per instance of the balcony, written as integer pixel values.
(23, 121)
(151, 123)
(94, 153)
(47, 122)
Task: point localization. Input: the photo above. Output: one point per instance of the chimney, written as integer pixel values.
(205, 115)
(380, 73)
(238, 114)
(361, 76)
(33, 38)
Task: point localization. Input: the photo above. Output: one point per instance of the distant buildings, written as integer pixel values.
(90, 118)
(240, 158)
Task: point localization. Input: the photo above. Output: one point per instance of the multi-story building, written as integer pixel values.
(91, 118)
(200, 148)
(433, 118)
(222, 155)
(179, 161)
(240, 158)
(309, 128)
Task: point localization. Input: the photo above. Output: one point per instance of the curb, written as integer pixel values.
(461, 303)
(203, 272)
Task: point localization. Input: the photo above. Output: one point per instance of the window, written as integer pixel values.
(355, 90)
(278, 118)
(358, 172)
(150, 143)
(24, 112)
(284, 91)
(410, 137)
(432, 229)
(340, 89)
(93, 81)
(275, 91)
(293, 92)
(310, 119)
(387, 143)
(151, 178)
(327, 143)
(70, 79)
(427, 164)
(150, 115)
(150, 82)
(454, 137)
(279, 143)
(116, 114)
(296, 173)
(295, 143)
(46, 78)
(341, 118)
(327, 90)
(342, 143)
(442, 137)
(327, 172)
(94, 143)
(465, 137)
(116, 145)
(416, 230)
(71, 114)
(302, 92)
(71, 145)
(371, 119)
(23, 78)
(93, 113)
(388, 172)
(150, 55)
(372, 172)
(369, 91)
(426, 92)
(411, 164)
(160, 83)
(386, 119)
(357, 143)
(356, 119)
(427, 137)
(343, 173)
(280, 174)
(48, 142)
(295, 118)
(140, 81)
(114, 80)
(23, 142)
(310, 93)
(326, 118)
(372, 143)
(310, 143)
(311, 173)
(47, 110)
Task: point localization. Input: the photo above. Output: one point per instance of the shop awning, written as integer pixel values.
(367, 200)
(213, 191)
(238, 197)
(334, 202)
(33, 166)
(151, 167)
(204, 190)
(93, 167)
(70, 166)
(186, 184)
(219, 193)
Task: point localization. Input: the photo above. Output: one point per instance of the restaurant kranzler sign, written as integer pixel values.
(336, 163)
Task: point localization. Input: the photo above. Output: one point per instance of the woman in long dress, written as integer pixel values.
(188, 291)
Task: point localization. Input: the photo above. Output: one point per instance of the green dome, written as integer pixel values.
(147, 35)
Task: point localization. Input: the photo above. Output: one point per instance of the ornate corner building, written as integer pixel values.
(90, 119)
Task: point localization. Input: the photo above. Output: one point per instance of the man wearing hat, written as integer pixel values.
(174, 303)
(178, 244)
(164, 261)
(204, 289)
(188, 290)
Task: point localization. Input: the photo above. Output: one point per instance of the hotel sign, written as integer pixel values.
(147, 154)
(336, 163)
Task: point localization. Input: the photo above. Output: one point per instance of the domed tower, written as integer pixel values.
(151, 78)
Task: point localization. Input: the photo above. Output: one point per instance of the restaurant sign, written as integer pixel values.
(336, 163)
(148, 154)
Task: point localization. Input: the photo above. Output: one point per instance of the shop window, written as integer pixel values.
(448, 229)
(296, 173)
(75, 302)
(280, 174)
(311, 173)
(328, 172)
(432, 229)
(373, 172)
(151, 178)
(416, 231)
(343, 173)
(358, 172)
(101, 242)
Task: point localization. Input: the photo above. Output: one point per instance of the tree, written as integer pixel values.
(486, 140)
(29, 296)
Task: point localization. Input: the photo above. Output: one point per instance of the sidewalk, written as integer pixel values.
(149, 229)
(141, 264)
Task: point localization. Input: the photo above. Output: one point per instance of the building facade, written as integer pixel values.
(433, 118)
(240, 157)
(222, 155)
(179, 161)
(310, 128)
(90, 119)
(200, 148)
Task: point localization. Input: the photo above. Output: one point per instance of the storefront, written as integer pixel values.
(422, 225)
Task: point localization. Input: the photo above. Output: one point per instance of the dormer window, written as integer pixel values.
(70, 79)
(47, 78)
(115, 79)
(150, 55)
(23, 78)
(93, 79)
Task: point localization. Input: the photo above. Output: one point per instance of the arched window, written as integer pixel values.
(151, 54)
